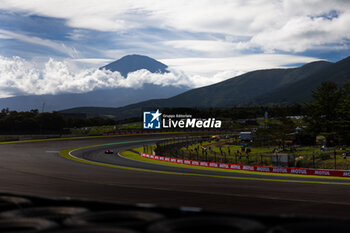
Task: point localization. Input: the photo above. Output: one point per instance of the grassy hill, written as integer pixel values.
(238, 90)
(301, 91)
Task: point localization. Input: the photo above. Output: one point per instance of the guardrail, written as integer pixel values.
(252, 168)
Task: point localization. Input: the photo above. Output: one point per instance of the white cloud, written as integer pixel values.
(204, 80)
(19, 77)
(241, 64)
(57, 46)
(103, 15)
(77, 34)
(4, 36)
(302, 33)
(207, 46)
(92, 61)
(287, 25)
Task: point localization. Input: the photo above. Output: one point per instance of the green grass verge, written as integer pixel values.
(261, 156)
(255, 156)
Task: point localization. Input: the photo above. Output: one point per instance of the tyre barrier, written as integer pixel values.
(26, 225)
(45, 215)
(95, 230)
(313, 226)
(207, 224)
(130, 219)
(10, 202)
(49, 213)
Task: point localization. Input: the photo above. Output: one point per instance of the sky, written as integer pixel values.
(56, 46)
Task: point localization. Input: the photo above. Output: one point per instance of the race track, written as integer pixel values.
(37, 168)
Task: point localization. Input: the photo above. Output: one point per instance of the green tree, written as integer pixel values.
(328, 114)
(50, 122)
(343, 112)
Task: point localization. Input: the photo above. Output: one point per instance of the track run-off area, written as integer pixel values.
(78, 168)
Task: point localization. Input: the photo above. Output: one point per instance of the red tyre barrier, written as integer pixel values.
(281, 170)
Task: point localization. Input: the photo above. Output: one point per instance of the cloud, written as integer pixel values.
(22, 77)
(4, 36)
(57, 46)
(208, 67)
(104, 15)
(286, 25)
(302, 33)
(207, 46)
(92, 61)
(77, 35)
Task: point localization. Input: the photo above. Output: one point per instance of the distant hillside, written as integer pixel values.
(131, 63)
(301, 91)
(115, 97)
(243, 88)
(232, 92)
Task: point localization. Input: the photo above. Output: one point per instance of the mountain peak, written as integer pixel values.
(134, 62)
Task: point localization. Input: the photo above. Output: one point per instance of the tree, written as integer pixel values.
(50, 122)
(5, 111)
(329, 112)
(343, 112)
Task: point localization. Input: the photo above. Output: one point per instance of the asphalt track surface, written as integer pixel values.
(37, 168)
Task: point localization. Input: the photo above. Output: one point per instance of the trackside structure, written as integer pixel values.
(252, 168)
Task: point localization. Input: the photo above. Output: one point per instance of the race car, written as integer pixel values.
(108, 151)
